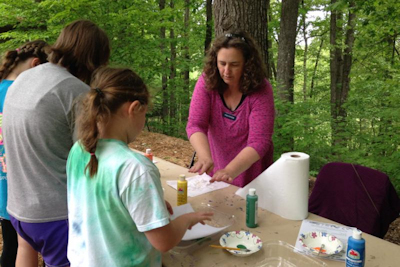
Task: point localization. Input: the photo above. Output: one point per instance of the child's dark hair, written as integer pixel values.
(110, 88)
(38, 49)
(81, 48)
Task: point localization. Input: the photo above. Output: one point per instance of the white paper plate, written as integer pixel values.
(313, 241)
(241, 239)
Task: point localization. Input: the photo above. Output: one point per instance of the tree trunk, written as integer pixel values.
(286, 50)
(185, 113)
(305, 37)
(315, 68)
(271, 67)
(248, 16)
(285, 70)
(340, 67)
(165, 112)
(208, 38)
(172, 75)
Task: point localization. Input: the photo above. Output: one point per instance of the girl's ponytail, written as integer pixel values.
(111, 88)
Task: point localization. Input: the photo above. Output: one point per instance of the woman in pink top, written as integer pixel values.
(231, 117)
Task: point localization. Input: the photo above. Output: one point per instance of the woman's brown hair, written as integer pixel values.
(254, 68)
(38, 49)
(81, 48)
(110, 89)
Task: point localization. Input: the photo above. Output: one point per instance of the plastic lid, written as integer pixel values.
(182, 177)
(252, 191)
(148, 151)
(357, 234)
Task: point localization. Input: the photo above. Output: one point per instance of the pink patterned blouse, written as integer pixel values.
(228, 132)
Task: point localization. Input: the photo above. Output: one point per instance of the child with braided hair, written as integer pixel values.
(38, 131)
(14, 62)
(117, 212)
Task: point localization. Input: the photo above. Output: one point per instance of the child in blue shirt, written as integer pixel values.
(14, 62)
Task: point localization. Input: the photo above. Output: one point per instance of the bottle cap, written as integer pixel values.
(182, 177)
(148, 151)
(357, 234)
(252, 191)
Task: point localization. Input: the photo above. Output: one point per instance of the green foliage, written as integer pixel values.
(370, 136)
(372, 123)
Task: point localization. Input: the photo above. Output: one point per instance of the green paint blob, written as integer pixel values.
(241, 246)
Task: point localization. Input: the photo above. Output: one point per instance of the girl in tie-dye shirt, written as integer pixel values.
(117, 213)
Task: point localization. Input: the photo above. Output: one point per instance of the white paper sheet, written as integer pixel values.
(341, 232)
(198, 230)
(283, 187)
(199, 184)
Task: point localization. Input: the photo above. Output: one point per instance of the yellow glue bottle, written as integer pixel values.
(182, 190)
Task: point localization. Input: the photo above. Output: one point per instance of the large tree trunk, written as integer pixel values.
(285, 70)
(340, 67)
(286, 50)
(249, 16)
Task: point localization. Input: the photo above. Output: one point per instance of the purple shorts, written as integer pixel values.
(50, 239)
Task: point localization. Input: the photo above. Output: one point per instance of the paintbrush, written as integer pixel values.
(239, 249)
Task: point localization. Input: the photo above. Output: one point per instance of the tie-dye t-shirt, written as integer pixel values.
(109, 212)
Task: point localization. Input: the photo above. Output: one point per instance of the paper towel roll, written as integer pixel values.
(283, 187)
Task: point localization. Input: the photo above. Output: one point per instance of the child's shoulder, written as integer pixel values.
(121, 152)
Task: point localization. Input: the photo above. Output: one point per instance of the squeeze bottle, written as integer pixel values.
(251, 208)
(149, 154)
(355, 254)
(182, 190)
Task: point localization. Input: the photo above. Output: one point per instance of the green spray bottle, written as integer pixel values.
(251, 208)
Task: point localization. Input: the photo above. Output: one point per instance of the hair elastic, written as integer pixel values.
(98, 90)
(92, 154)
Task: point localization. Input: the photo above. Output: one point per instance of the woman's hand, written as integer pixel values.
(203, 165)
(222, 176)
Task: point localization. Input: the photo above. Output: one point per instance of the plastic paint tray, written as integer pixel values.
(219, 219)
(282, 254)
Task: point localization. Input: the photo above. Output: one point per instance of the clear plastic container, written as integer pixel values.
(282, 254)
(219, 220)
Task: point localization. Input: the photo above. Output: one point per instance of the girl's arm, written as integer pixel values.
(168, 236)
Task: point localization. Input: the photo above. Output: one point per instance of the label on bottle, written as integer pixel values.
(256, 212)
(182, 194)
(354, 258)
(149, 156)
(251, 211)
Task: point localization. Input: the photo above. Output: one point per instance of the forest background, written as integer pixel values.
(333, 64)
